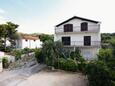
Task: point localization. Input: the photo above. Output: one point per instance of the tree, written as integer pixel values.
(46, 37)
(8, 32)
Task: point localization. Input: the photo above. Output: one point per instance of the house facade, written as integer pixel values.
(81, 33)
(28, 41)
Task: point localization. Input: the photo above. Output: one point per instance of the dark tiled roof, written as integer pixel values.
(76, 17)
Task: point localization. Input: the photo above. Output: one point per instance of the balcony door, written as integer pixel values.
(84, 26)
(87, 40)
(68, 28)
(66, 40)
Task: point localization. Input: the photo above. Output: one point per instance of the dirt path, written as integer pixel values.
(42, 78)
(45, 78)
(15, 77)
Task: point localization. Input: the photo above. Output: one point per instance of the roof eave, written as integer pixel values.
(75, 17)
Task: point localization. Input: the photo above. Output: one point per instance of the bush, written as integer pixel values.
(0, 60)
(5, 62)
(105, 55)
(39, 56)
(82, 66)
(18, 54)
(98, 74)
(66, 64)
(27, 51)
(102, 71)
(76, 54)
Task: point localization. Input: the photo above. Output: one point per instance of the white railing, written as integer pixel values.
(91, 28)
(81, 44)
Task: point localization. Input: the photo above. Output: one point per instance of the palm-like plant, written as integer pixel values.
(52, 51)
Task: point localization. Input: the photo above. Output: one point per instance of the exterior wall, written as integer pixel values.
(22, 43)
(31, 44)
(77, 37)
(76, 22)
(18, 44)
(89, 53)
(93, 27)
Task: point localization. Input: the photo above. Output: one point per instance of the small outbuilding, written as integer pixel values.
(28, 41)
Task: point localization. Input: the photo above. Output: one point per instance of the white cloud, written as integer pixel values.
(2, 11)
(2, 19)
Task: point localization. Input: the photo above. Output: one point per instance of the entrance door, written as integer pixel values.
(87, 40)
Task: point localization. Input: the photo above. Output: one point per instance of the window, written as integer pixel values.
(68, 28)
(84, 26)
(66, 40)
(26, 40)
(87, 40)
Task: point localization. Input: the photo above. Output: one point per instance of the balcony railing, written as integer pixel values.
(91, 28)
(82, 44)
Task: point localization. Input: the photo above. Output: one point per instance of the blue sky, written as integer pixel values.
(42, 15)
(28, 8)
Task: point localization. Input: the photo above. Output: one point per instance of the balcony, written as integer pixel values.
(82, 44)
(77, 29)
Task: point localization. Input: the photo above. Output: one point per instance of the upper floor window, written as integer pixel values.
(68, 28)
(84, 26)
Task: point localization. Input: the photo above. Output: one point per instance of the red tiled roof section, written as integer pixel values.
(30, 37)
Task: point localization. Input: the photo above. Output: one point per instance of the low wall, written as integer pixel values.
(1, 55)
(10, 58)
(1, 68)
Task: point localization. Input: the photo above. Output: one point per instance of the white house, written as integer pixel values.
(80, 32)
(28, 41)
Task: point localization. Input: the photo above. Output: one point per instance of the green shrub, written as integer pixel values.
(82, 66)
(8, 48)
(18, 54)
(27, 50)
(113, 47)
(39, 56)
(113, 83)
(98, 74)
(5, 62)
(105, 55)
(76, 54)
(0, 60)
(71, 65)
(66, 64)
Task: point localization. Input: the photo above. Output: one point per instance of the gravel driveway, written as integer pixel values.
(60, 78)
(43, 78)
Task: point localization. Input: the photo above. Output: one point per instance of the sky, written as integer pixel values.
(41, 16)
